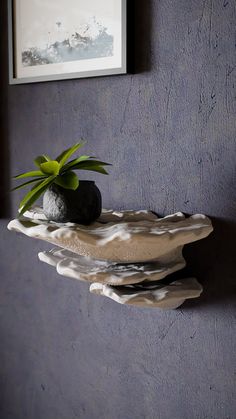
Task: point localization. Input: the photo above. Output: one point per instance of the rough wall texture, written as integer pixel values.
(169, 129)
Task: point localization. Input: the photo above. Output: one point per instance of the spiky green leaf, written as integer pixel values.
(79, 160)
(34, 194)
(34, 173)
(50, 167)
(65, 155)
(28, 183)
(36, 184)
(92, 165)
(68, 181)
(40, 159)
(94, 168)
(87, 163)
(75, 161)
(32, 200)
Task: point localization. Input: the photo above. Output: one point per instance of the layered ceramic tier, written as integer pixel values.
(86, 269)
(129, 236)
(134, 284)
(157, 296)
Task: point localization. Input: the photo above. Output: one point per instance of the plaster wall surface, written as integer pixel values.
(169, 130)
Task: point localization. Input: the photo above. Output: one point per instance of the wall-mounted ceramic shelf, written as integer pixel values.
(125, 255)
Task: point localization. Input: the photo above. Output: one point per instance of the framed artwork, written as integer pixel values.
(66, 39)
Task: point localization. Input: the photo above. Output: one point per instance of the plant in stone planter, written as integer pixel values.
(66, 198)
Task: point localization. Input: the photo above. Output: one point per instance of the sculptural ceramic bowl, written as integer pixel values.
(81, 206)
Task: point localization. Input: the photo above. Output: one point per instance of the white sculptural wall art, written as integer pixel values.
(126, 256)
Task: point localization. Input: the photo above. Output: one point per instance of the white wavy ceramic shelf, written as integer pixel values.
(86, 269)
(166, 297)
(124, 254)
(127, 236)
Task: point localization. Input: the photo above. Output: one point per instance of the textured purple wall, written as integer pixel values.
(170, 132)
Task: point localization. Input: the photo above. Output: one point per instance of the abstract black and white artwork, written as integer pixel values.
(59, 39)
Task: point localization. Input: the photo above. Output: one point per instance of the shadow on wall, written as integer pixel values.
(212, 261)
(139, 35)
(5, 183)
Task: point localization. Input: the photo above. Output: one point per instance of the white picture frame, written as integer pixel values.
(66, 39)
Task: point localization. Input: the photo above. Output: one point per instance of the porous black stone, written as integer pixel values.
(81, 206)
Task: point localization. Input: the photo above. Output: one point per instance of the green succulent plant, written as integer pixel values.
(58, 171)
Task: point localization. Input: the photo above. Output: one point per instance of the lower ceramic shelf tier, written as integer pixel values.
(125, 255)
(110, 273)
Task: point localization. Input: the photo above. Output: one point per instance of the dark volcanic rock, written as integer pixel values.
(82, 206)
